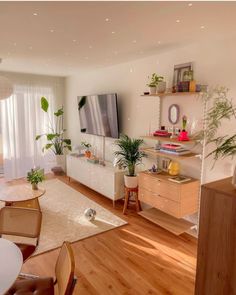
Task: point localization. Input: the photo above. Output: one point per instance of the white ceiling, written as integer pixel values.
(65, 37)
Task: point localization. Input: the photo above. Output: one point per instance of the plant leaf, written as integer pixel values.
(50, 136)
(44, 104)
(59, 112)
(37, 137)
(67, 141)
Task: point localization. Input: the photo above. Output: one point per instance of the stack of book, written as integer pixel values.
(175, 149)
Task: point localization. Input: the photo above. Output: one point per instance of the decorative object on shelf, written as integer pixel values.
(179, 179)
(179, 71)
(90, 214)
(174, 168)
(204, 88)
(146, 93)
(161, 87)
(174, 149)
(183, 86)
(35, 176)
(93, 160)
(164, 164)
(154, 169)
(129, 156)
(87, 146)
(188, 75)
(173, 114)
(155, 79)
(162, 133)
(55, 139)
(6, 88)
(192, 86)
(183, 135)
(222, 108)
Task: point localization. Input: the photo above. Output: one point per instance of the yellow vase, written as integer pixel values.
(174, 168)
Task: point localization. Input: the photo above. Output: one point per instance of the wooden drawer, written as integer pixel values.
(158, 201)
(161, 187)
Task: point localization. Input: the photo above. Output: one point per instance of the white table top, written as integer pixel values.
(11, 261)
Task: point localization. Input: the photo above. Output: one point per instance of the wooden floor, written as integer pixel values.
(138, 258)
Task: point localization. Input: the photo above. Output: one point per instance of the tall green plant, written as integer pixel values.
(129, 154)
(56, 141)
(221, 108)
(155, 79)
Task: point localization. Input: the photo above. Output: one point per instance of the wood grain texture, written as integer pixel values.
(174, 225)
(216, 266)
(137, 259)
(176, 199)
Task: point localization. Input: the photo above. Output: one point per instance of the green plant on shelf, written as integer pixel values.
(154, 80)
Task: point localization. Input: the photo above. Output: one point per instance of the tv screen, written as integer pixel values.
(98, 115)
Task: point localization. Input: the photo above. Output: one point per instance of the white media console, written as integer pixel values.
(106, 180)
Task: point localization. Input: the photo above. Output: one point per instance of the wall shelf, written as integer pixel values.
(174, 140)
(171, 94)
(155, 153)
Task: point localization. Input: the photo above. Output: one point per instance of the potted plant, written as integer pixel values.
(87, 146)
(35, 177)
(155, 79)
(55, 138)
(128, 157)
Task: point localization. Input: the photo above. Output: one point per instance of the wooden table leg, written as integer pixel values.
(126, 201)
(138, 207)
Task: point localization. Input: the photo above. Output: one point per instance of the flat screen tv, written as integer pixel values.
(98, 115)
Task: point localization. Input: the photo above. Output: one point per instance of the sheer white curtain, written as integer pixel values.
(22, 119)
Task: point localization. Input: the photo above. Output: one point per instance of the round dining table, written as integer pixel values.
(11, 261)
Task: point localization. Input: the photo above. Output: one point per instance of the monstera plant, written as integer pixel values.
(55, 138)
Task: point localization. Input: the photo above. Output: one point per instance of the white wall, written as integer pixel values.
(214, 64)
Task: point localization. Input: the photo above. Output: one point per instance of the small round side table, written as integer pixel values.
(128, 193)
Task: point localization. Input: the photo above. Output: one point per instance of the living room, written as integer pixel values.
(117, 145)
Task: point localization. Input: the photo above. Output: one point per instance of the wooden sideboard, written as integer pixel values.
(216, 261)
(175, 199)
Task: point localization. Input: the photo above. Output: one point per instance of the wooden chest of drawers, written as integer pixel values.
(176, 199)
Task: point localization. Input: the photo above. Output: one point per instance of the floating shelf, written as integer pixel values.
(155, 153)
(171, 94)
(175, 140)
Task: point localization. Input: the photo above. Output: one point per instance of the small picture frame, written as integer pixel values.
(179, 72)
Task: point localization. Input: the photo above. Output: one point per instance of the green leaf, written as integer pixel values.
(50, 136)
(48, 146)
(44, 104)
(37, 137)
(67, 141)
(68, 147)
(60, 112)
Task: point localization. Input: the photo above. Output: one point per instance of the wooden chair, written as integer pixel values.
(21, 222)
(64, 272)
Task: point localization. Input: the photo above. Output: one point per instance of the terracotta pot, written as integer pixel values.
(34, 186)
(131, 181)
(87, 154)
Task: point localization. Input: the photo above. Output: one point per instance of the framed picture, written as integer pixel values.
(179, 72)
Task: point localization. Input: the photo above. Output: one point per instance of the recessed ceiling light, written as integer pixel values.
(86, 57)
(107, 19)
(131, 70)
(30, 47)
(159, 42)
(35, 13)
(115, 52)
(178, 21)
(113, 32)
(190, 4)
(134, 41)
(202, 27)
(90, 46)
(74, 40)
(52, 31)
(14, 43)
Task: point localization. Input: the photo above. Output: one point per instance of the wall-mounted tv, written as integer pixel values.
(98, 115)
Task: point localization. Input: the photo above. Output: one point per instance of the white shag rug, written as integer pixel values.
(63, 216)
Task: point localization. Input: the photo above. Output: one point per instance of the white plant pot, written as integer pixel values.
(131, 181)
(61, 161)
(152, 90)
(161, 87)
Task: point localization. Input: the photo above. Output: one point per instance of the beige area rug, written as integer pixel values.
(63, 216)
